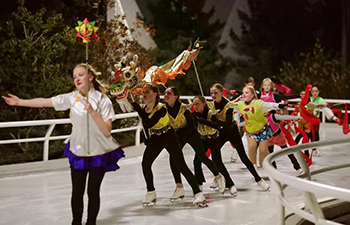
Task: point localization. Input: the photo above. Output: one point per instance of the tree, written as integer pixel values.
(179, 22)
(320, 67)
(274, 31)
(38, 53)
(35, 61)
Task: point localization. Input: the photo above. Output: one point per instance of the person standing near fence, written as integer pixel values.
(101, 154)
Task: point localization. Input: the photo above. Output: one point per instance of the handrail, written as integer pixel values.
(53, 122)
(308, 187)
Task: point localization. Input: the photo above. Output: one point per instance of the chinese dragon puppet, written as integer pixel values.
(127, 78)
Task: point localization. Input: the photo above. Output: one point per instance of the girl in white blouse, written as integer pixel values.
(102, 152)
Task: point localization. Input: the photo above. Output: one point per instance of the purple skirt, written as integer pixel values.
(108, 160)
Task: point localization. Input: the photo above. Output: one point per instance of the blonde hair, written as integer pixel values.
(252, 90)
(218, 86)
(266, 80)
(96, 83)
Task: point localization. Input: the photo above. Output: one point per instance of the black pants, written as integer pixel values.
(215, 148)
(292, 158)
(196, 143)
(170, 142)
(232, 135)
(79, 177)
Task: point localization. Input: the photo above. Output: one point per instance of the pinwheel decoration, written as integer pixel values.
(86, 30)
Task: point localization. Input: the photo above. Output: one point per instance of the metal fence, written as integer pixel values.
(312, 211)
(53, 122)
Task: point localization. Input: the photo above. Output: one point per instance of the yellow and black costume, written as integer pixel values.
(229, 132)
(182, 121)
(210, 137)
(161, 135)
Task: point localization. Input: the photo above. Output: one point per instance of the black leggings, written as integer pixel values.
(196, 143)
(214, 145)
(232, 135)
(78, 177)
(292, 158)
(170, 142)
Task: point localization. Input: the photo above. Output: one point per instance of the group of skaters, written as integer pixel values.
(169, 125)
(209, 124)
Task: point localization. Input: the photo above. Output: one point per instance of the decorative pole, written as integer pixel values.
(199, 82)
(86, 30)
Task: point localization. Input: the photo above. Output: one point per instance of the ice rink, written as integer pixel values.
(39, 193)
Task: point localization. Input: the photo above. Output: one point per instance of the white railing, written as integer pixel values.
(309, 188)
(52, 123)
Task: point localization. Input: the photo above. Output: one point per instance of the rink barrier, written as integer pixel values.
(312, 210)
(138, 128)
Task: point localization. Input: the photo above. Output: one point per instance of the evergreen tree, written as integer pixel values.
(320, 67)
(275, 30)
(35, 61)
(179, 22)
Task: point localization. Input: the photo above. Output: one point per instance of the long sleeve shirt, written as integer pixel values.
(98, 142)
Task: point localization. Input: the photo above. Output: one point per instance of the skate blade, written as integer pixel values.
(174, 199)
(234, 194)
(201, 205)
(152, 203)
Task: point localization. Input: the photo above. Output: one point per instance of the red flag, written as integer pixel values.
(305, 100)
(346, 121)
(292, 142)
(305, 137)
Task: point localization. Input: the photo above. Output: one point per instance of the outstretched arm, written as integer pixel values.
(13, 100)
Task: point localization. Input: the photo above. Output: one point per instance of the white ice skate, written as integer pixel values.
(233, 190)
(300, 171)
(214, 184)
(263, 185)
(151, 197)
(200, 187)
(234, 156)
(178, 193)
(221, 184)
(199, 200)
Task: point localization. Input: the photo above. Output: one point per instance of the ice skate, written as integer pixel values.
(200, 186)
(213, 184)
(151, 197)
(233, 190)
(178, 193)
(234, 156)
(300, 171)
(199, 200)
(317, 152)
(221, 184)
(263, 185)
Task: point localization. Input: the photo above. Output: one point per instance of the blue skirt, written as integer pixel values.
(108, 160)
(264, 134)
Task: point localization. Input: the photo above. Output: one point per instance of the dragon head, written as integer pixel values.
(125, 78)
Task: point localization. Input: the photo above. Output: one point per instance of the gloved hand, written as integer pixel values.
(136, 107)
